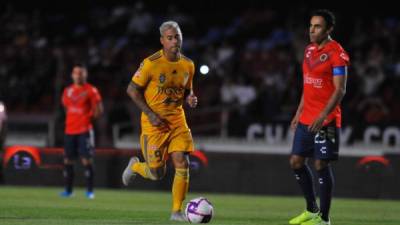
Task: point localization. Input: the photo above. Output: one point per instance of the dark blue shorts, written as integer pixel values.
(322, 145)
(79, 145)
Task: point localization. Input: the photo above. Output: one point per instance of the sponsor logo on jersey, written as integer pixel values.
(76, 98)
(169, 101)
(315, 82)
(170, 91)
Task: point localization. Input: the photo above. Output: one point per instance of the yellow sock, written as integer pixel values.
(179, 188)
(142, 169)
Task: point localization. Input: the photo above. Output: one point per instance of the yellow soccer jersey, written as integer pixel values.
(164, 84)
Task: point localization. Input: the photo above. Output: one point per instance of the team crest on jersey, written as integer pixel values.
(323, 57)
(162, 78)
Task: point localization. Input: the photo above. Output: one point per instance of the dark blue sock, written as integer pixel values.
(326, 182)
(68, 177)
(305, 180)
(89, 174)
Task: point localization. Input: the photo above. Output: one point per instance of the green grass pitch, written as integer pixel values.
(41, 205)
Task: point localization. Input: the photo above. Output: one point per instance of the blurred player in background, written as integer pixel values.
(83, 104)
(318, 117)
(159, 88)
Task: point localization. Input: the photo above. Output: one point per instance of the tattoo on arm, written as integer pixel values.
(136, 93)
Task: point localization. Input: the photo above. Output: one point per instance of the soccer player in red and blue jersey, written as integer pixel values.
(318, 117)
(83, 104)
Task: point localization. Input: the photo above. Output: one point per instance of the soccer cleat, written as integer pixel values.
(128, 175)
(90, 194)
(303, 217)
(178, 216)
(316, 221)
(66, 194)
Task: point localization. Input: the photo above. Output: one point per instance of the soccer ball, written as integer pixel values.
(199, 210)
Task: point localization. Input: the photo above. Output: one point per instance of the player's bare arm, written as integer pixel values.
(135, 92)
(340, 90)
(295, 120)
(98, 110)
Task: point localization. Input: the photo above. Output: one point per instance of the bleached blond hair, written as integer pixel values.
(168, 25)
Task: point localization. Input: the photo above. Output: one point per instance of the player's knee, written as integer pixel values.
(184, 164)
(180, 160)
(296, 162)
(157, 173)
(321, 164)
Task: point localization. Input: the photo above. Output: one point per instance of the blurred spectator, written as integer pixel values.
(373, 110)
(372, 79)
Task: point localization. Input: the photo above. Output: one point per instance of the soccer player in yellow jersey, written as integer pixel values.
(159, 88)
